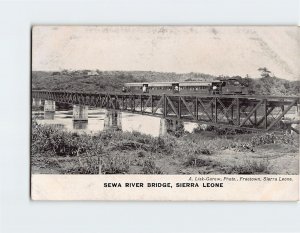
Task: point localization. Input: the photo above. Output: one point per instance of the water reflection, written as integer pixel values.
(82, 125)
(49, 115)
(101, 119)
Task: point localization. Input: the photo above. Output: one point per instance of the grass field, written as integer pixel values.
(54, 151)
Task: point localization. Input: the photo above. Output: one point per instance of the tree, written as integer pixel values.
(264, 72)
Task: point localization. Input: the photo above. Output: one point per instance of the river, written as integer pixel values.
(101, 119)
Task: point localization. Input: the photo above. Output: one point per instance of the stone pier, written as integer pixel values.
(49, 109)
(163, 127)
(113, 120)
(170, 126)
(36, 102)
(80, 113)
(49, 106)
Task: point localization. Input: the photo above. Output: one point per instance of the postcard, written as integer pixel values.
(165, 113)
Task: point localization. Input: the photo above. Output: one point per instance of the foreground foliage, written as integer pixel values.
(114, 152)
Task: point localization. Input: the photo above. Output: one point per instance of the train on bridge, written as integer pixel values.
(219, 87)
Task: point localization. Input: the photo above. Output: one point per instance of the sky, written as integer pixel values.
(181, 49)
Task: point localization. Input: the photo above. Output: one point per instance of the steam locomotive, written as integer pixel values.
(218, 87)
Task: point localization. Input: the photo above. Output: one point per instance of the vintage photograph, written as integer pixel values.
(167, 100)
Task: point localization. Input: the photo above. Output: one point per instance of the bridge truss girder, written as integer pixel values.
(258, 113)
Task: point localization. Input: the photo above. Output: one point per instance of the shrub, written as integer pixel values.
(248, 166)
(47, 138)
(179, 132)
(204, 151)
(114, 164)
(270, 138)
(219, 130)
(137, 141)
(204, 127)
(241, 146)
(85, 165)
(196, 161)
(149, 167)
(141, 154)
(229, 131)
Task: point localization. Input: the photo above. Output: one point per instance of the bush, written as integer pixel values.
(219, 130)
(114, 164)
(271, 138)
(137, 141)
(241, 146)
(149, 167)
(195, 161)
(85, 165)
(203, 127)
(248, 166)
(229, 131)
(46, 138)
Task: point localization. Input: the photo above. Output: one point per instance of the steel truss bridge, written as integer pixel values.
(257, 113)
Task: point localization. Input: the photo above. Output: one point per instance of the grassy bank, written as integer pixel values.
(113, 152)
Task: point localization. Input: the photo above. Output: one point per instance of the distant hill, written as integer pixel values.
(104, 80)
(100, 81)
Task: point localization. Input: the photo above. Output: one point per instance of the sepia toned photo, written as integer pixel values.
(194, 101)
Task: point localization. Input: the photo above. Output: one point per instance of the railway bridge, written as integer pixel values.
(255, 113)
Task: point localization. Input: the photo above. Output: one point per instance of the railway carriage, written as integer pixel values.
(195, 87)
(218, 87)
(152, 88)
(163, 87)
(134, 87)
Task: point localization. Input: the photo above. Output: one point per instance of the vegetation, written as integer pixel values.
(248, 166)
(115, 152)
(149, 167)
(266, 84)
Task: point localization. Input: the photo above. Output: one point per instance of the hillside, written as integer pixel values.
(113, 81)
(104, 81)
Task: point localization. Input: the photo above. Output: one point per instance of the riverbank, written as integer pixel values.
(54, 151)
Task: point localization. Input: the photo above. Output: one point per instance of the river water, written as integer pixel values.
(100, 119)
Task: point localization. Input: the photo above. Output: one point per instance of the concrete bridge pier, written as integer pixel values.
(49, 109)
(163, 127)
(80, 113)
(80, 116)
(170, 126)
(49, 106)
(113, 120)
(36, 102)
